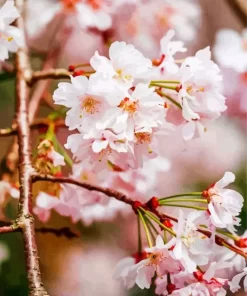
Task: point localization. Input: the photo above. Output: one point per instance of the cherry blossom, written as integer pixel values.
(85, 107)
(159, 260)
(231, 49)
(200, 92)
(234, 284)
(191, 247)
(10, 36)
(120, 71)
(224, 204)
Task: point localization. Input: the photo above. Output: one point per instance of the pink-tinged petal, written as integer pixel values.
(245, 283)
(234, 284)
(99, 145)
(214, 217)
(42, 214)
(122, 265)
(56, 158)
(226, 180)
(159, 242)
(144, 276)
(188, 130)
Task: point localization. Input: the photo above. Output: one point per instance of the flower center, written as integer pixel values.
(8, 38)
(90, 105)
(155, 258)
(129, 106)
(121, 76)
(193, 88)
(143, 138)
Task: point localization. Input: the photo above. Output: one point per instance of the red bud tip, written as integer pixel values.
(58, 174)
(136, 205)
(167, 223)
(71, 68)
(157, 62)
(139, 256)
(198, 275)
(166, 105)
(133, 88)
(241, 243)
(170, 288)
(178, 87)
(78, 73)
(153, 203)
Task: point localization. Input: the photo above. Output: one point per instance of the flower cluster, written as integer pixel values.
(193, 261)
(121, 110)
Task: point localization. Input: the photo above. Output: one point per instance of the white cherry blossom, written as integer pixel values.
(200, 93)
(230, 49)
(10, 36)
(224, 204)
(120, 71)
(85, 106)
(191, 247)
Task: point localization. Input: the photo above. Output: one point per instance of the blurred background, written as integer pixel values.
(83, 266)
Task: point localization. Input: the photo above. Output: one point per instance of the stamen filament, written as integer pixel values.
(183, 194)
(146, 229)
(184, 200)
(185, 206)
(158, 222)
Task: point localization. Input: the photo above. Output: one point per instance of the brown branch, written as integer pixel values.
(48, 74)
(25, 219)
(38, 123)
(240, 9)
(65, 231)
(107, 191)
(8, 227)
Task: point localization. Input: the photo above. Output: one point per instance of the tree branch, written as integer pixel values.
(8, 227)
(48, 74)
(37, 123)
(25, 219)
(107, 191)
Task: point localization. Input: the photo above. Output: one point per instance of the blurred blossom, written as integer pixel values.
(87, 271)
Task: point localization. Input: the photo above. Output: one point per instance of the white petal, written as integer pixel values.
(226, 180)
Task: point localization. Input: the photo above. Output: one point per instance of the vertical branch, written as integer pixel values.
(25, 219)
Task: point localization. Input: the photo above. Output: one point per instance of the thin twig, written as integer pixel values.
(49, 74)
(107, 191)
(38, 123)
(8, 227)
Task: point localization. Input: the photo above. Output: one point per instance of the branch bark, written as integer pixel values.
(37, 123)
(107, 191)
(25, 219)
